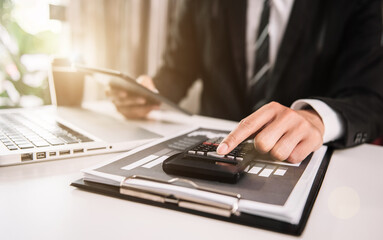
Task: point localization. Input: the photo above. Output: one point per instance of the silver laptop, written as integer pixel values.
(48, 133)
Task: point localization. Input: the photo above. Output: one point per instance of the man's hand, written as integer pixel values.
(284, 133)
(131, 105)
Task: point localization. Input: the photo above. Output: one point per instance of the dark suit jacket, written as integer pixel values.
(331, 50)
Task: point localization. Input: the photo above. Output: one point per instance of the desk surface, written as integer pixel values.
(37, 203)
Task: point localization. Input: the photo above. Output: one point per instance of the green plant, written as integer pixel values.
(14, 43)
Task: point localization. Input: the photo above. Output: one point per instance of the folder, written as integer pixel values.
(194, 196)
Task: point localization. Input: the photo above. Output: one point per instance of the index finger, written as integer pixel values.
(246, 128)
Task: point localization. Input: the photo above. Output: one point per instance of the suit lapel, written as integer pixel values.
(236, 12)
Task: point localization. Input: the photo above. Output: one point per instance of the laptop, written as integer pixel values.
(49, 132)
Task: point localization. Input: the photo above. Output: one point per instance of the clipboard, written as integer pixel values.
(222, 212)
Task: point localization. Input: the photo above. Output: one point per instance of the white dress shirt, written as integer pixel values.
(279, 16)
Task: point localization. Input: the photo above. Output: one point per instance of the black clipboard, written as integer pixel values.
(243, 218)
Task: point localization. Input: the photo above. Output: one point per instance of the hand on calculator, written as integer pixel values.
(281, 132)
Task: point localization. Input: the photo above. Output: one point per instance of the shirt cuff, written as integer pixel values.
(333, 123)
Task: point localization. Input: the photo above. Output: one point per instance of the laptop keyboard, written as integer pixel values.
(18, 131)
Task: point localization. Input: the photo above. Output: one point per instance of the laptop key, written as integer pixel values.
(40, 143)
(12, 148)
(55, 141)
(21, 142)
(25, 146)
(84, 139)
(69, 139)
(7, 142)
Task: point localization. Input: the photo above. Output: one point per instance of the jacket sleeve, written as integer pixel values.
(358, 92)
(180, 62)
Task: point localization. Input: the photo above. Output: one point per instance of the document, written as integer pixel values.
(272, 189)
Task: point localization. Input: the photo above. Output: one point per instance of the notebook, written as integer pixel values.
(49, 132)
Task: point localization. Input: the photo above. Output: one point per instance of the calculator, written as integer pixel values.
(202, 161)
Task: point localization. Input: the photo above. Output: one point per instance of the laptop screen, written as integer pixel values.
(23, 78)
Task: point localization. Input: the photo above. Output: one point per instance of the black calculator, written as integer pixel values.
(202, 161)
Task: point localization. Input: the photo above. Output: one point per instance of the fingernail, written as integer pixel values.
(222, 148)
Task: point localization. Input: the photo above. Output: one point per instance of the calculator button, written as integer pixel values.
(230, 156)
(239, 158)
(191, 152)
(200, 153)
(214, 154)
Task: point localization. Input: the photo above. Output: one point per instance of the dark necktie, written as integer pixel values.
(261, 68)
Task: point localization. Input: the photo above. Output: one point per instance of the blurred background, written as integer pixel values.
(125, 35)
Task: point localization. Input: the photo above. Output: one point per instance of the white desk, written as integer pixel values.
(36, 202)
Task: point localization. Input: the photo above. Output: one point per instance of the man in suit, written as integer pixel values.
(298, 73)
